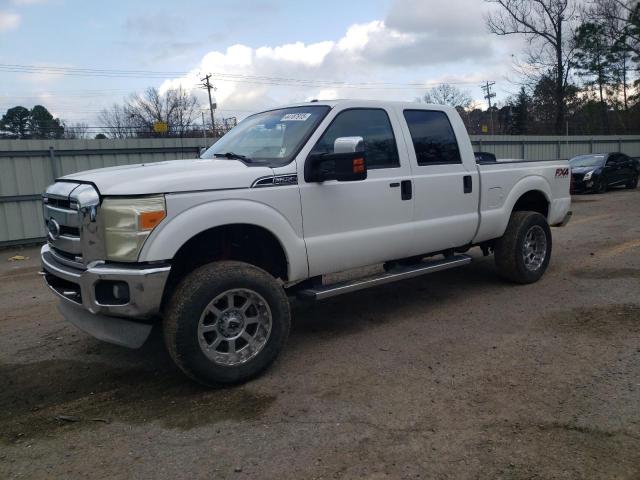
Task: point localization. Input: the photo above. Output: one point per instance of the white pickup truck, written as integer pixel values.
(212, 249)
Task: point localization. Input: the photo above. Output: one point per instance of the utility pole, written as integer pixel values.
(204, 129)
(488, 96)
(206, 83)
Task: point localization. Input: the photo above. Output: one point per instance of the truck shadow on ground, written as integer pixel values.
(363, 310)
(51, 397)
(105, 383)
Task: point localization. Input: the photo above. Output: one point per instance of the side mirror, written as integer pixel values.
(347, 163)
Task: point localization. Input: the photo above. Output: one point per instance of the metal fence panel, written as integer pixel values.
(547, 147)
(27, 167)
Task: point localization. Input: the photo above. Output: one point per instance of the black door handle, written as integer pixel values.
(406, 190)
(467, 183)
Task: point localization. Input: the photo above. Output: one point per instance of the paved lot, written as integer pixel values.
(454, 375)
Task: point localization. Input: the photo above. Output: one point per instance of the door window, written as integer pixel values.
(433, 138)
(374, 126)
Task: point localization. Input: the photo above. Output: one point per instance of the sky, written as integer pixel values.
(261, 53)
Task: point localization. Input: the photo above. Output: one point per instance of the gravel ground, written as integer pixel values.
(454, 375)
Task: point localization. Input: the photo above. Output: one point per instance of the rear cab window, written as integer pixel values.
(434, 140)
(374, 126)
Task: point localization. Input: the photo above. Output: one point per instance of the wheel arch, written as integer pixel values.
(533, 201)
(213, 220)
(532, 192)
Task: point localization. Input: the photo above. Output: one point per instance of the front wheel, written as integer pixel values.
(633, 183)
(522, 254)
(226, 323)
(602, 185)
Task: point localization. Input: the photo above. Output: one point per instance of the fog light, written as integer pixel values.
(112, 292)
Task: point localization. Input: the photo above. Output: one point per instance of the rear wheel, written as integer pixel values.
(523, 253)
(226, 323)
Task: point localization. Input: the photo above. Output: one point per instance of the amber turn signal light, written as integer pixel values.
(358, 165)
(149, 220)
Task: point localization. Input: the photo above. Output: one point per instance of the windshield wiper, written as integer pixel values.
(233, 156)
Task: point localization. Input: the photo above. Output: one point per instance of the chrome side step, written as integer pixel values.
(394, 275)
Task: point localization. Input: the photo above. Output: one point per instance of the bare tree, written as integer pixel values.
(548, 26)
(116, 122)
(78, 130)
(138, 115)
(446, 94)
(176, 107)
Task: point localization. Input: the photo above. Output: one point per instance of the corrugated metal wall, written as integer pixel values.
(553, 147)
(28, 166)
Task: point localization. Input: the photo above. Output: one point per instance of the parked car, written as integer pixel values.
(211, 249)
(598, 172)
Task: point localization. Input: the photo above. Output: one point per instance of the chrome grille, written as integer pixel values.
(65, 219)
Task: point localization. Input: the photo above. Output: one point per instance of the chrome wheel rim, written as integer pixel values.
(234, 327)
(534, 249)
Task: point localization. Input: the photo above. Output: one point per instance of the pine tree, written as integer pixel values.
(16, 121)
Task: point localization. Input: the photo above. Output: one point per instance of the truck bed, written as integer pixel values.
(503, 182)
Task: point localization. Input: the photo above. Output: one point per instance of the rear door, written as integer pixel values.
(352, 224)
(446, 190)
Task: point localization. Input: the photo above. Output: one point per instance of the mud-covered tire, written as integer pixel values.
(194, 295)
(513, 250)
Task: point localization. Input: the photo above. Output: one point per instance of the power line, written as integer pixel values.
(219, 76)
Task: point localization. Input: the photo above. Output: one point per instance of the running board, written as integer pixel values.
(394, 275)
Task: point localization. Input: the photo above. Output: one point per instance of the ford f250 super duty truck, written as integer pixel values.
(212, 249)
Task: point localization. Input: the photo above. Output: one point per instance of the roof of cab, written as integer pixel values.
(370, 103)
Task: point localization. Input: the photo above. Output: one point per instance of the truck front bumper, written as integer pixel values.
(111, 302)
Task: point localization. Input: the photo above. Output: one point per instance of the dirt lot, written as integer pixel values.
(454, 375)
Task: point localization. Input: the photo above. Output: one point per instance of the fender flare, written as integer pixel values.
(533, 183)
(166, 240)
(493, 223)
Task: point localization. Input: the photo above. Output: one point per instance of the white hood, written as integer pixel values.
(172, 176)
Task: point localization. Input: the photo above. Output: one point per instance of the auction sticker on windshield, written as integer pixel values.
(296, 117)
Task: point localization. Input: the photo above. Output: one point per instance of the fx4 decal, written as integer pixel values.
(562, 172)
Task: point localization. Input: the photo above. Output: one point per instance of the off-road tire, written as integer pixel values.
(509, 257)
(194, 293)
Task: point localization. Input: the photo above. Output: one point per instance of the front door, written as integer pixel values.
(351, 224)
(614, 170)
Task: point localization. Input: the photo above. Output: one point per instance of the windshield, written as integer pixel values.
(587, 161)
(272, 137)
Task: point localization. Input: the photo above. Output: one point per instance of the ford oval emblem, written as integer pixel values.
(54, 229)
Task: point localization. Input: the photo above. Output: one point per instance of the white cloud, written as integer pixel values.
(312, 55)
(413, 44)
(9, 21)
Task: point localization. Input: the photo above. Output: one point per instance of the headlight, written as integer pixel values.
(588, 175)
(127, 224)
